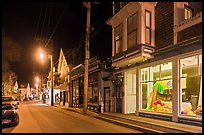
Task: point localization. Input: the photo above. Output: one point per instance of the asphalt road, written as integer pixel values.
(40, 118)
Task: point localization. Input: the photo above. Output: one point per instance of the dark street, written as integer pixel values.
(40, 118)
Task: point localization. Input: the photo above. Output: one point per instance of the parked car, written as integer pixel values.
(10, 115)
(10, 99)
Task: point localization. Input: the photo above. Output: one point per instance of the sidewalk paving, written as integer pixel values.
(140, 123)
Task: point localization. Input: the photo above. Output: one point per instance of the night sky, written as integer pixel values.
(20, 20)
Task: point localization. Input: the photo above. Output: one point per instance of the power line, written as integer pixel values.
(56, 25)
(45, 15)
(50, 9)
(39, 19)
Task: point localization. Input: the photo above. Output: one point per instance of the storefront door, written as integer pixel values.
(107, 99)
(118, 99)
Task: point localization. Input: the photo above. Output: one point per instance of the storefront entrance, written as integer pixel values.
(107, 99)
(118, 99)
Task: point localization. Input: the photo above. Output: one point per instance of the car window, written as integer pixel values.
(7, 107)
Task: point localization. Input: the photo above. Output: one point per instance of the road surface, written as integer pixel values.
(36, 117)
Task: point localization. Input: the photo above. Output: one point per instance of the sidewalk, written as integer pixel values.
(147, 125)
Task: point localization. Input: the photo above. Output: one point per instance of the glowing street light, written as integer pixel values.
(37, 80)
(41, 55)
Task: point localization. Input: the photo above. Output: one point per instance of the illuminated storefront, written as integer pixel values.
(169, 89)
(156, 88)
(156, 83)
(191, 85)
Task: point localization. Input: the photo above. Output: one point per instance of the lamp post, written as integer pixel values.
(52, 76)
(51, 79)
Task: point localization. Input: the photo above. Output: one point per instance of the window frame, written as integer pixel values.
(132, 30)
(119, 39)
(188, 8)
(148, 27)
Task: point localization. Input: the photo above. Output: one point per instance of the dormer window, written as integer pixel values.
(188, 12)
(147, 27)
(132, 31)
(118, 38)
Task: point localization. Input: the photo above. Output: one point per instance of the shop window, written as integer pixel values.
(154, 75)
(157, 90)
(191, 85)
(118, 39)
(93, 93)
(75, 92)
(132, 31)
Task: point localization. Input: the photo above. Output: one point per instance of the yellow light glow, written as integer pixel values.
(41, 55)
(37, 79)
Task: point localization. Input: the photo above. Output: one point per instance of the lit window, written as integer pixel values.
(188, 12)
(191, 86)
(156, 90)
(132, 31)
(147, 27)
(118, 39)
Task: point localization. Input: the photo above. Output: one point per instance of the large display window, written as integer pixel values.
(93, 88)
(75, 93)
(191, 85)
(156, 88)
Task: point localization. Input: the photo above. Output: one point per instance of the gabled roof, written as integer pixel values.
(68, 55)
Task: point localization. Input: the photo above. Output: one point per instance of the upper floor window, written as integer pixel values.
(147, 27)
(132, 31)
(118, 38)
(188, 12)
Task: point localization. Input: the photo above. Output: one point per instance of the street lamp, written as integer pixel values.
(52, 76)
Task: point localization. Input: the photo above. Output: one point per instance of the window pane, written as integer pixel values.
(144, 95)
(188, 13)
(191, 96)
(154, 73)
(118, 31)
(144, 74)
(132, 39)
(190, 66)
(166, 70)
(147, 36)
(200, 64)
(118, 39)
(132, 23)
(147, 19)
(118, 46)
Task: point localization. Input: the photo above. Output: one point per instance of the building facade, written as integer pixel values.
(98, 69)
(157, 55)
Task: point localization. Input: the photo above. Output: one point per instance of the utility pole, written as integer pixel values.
(51, 79)
(88, 5)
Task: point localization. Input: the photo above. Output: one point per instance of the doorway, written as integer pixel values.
(107, 99)
(118, 99)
